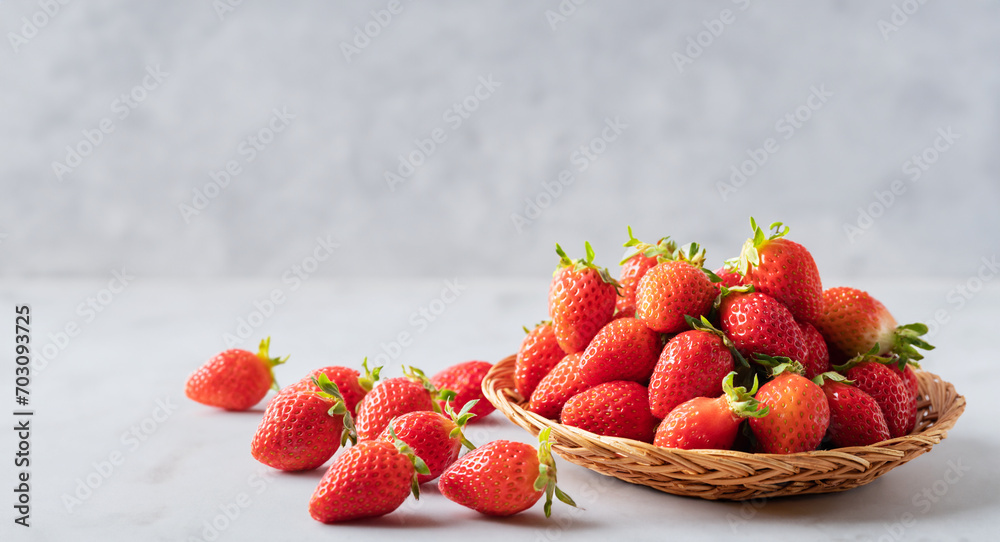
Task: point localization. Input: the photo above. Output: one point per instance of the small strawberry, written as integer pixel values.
(855, 418)
(393, 397)
(675, 288)
(798, 414)
(235, 379)
(692, 364)
(302, 430)
(562, 383)
(581, 300)
(352, 385)
(709, 422)
(624, 349)
(782, 269)
(539, 353)
(759, 324)
(817, 359)
(466, 380)
(853, 322)
(877, 377)
(729, 275)
(503, 478)
(433, 437)
(368, 480)
(635, 266)
(613, 409)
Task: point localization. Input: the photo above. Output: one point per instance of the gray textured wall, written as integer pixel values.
(884, 92)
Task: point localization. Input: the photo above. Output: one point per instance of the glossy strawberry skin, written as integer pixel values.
(702, 423)
(632, 271)
(910, 379)
(296, 432)
(817, 359)
(562, 383)
(691, 365)
(580, 303)
(759, 324)
(613, 409)
(892, 394)
(391, 398)
(428, 434)
(466, 380)
(852, 321)
(855, 418)
(787, 272)
(496, 479)
(539, 353)
(671, 290)
(730, 278)
(624, 349)
(798, 416)
(368, 480)
(234, 380)
(345, 378)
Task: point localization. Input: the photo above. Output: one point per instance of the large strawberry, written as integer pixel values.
(393, 397)
(466, 380)
(235, 379)
(433, 437)
(855, 418)
(710, 422)
(782, 269)
(557, 387)
(613, 409)
(798, 413)
(854, 322)
(368, 480)
(539, 353)
(817, 359)
(581, 300)
(353, 385)
(759, 324)
(635, 266)
(692, 364)
(877, 377)
(624, 349)
(301, 430)
(504, 477)
(673, 289)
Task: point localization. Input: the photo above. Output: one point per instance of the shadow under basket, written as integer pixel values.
(730, 475)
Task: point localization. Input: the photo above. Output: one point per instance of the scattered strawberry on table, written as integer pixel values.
(235, 379)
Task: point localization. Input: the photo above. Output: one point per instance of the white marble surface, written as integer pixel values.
(195, 463)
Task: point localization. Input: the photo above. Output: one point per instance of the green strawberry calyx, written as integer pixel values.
(370, 377)
(780, 364)
(330, 390)
(547, 473)
(460, 419)
(907, 339)
(538, 325)
(741, 402)
(873, 356)
(419, 466)
(265, 356)
(831, 376)
(584, 263)
(750, 256)
(704, 325)
(663, 250)
(418, 376)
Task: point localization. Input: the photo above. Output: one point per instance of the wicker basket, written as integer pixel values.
(729, 475)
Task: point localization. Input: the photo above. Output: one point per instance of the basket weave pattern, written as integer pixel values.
(730, 475)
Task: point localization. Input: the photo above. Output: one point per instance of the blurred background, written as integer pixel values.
(221, 138)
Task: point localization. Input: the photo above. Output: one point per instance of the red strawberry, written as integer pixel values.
(909, 378)
(368, 480)
(581, 300)
(301, 430)
(875, 376)
(817, 360)
(562, 383)
(729, 275)
(709, 422)
(782, 269)
(466, 380)
(503, 478)
(759, 324)
(393, 397)
(854, 322)
(635, 266)
(673, 289)
(855, 418)
(798, 414)
(433, 437)
(353, 387)
(692, 364)
(625, 349)
(539, 353)
(613, 409)
(235, 379)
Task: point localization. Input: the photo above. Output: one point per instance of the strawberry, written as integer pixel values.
(581, 300)
(854, 322)
(504, 477)
(391, 398)
(235, 379)
(709, 422)
(434, 438)
(877, 377)
(729, 275)
(613, 409)
(692, 364)
(625, 349)
(352, 385)
(855, 418)
(759, 324)
(466, 380)
(635, 266)
(673, 289)
(909, 378)
(562, 383)
(817, 359)
(782, 269)
(301, 430)
(539, 353)
(368, 480)
(798, 414)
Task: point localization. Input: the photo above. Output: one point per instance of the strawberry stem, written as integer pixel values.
(330, 390)
(370, 376)
(265, 356)
(547, 473)
(419, 466)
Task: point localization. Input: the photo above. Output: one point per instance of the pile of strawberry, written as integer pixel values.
(403, 432)
(679, 356)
